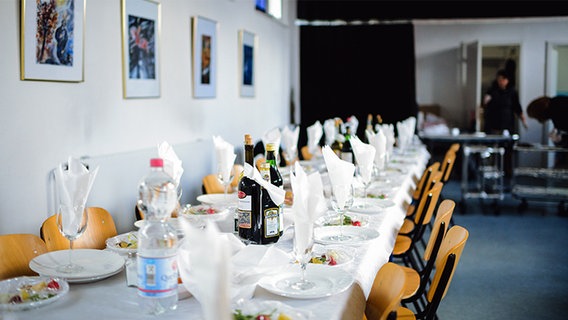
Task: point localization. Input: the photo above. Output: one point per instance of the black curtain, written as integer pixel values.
(356, 70)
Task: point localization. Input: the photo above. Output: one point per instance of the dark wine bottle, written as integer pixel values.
(249, 206)
(275, 179)
(347, 150)
(270, 224)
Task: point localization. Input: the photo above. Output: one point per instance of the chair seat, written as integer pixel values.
(410, 210)
(407, 227)
(401, 245)
(405, 314)
(412, 282)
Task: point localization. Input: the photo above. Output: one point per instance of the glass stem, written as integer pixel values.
(70, 251)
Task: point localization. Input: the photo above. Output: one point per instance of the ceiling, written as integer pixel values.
(350, 10)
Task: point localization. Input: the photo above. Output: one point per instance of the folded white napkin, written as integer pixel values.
(290, 139)
(272, 136)
(405, 131)
(364, 156)
(276, 194)
(379, 141)
(340, 171)
(204, 263)
(329, 131)
(172, 163)
(309, 205)
(254, 262)
(315, 132)
(225, 153)
(353, 124)
(74, 185)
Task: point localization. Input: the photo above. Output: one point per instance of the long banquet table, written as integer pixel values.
(111, 298)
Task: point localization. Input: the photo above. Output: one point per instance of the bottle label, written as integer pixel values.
(245, 209)
(157, 277)
(271, 222)
(281, 219)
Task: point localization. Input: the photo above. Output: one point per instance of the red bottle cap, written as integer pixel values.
(156, 162)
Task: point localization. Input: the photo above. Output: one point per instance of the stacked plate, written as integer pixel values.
(97, 264)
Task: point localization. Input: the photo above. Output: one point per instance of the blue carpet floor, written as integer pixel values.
(514, 265)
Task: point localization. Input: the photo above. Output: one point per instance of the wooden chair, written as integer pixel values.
(306, 154)
(100, 227)
(211, 183)
(409, 223)
(386, 292)
(417, 280)
(447, 260)
(17, 250)
(425, 180)
(447, 165)
(405, 246)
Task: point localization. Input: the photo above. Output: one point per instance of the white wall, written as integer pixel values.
(43, 123)
(437, 46)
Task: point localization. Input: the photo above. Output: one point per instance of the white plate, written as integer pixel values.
(130, 238)
(326, 235)
(329, 281)
(332, 219)
(97, 264)
(341, 254)
(370, 205)
(272, 308)
(218, 199)
(12, 287)
(205, 212)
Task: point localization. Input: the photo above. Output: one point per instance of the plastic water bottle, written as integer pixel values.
(157, 242)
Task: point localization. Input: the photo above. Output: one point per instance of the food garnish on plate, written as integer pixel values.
(28, 292)
(347, 221)
(274, 315)
(330, 257)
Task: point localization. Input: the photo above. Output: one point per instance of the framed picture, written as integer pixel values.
(52, 40)
(204, 38)
(140, 48)
(247, 53)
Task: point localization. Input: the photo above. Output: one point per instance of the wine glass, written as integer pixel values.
(303, 245)
(290, 155)
(72, 222)
(341, 201)
(365, 172)
(225, 178)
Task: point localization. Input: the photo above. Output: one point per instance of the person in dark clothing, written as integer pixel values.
(556, 110)
(501, 105)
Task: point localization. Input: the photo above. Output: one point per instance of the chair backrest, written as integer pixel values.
(427, 204)
(306, 154)
(440, 226)
(386, 292)
(448, 163)
(100, 227)
(16, 252)
(425, 180)
(446, 263)
(237, 169)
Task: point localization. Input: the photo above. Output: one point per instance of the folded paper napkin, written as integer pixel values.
(388, 130)
(329, 131)
(272, 136)
(290, 139)
(340, 171)
(309, 205)
(172, 163)
(204, 266)
(379, 141)
(276, 194)
(364, 156)
(252, 263)
(225, 153)
(353, 124)
(74, 185)
(315, 132)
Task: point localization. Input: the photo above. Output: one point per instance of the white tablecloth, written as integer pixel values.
(112, 299)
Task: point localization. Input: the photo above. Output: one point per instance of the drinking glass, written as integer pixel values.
(72, 222)
(365, 173)
(290, 155)
(303, 244)
(341, 201)
(225, 179)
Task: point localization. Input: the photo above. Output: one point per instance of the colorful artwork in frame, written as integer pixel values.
(247, 52)
(52, 40)
(140, 48)
(204, 44)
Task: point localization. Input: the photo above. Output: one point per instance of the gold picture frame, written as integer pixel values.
(141, 24)
(52, 40)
